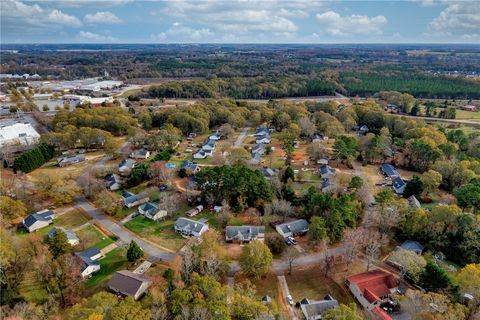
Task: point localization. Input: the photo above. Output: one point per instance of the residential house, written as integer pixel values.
(262, 131)
(244, 233)
(90, 259)
(209, 146)
(326, 185)
(190, 166)
(39, 220)
(313, 309)
(152, 211)
(113, 181)
(389, 171)
(188, 227)
(292, 228)
(259, 148)
(372, 288)
(264, 139)
(398, 185)
(125, 167)
(72, 238)
(269, 173)
(131, 200)
(216, 136)
(194, 211)
(66, 161)
(129, 284)
(200, 154)
(411, 245)
(326, 171)
(413, 202)
(140, 154)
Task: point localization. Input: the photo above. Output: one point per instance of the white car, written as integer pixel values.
(289, 300)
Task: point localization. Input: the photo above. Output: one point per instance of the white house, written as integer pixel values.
(39, 220)
(125, 167)
(72, 238)
(90, 259)
(188, 227)
(113, 182)
(201, 154)
(140, 154)
(244, 233)
(131, 200)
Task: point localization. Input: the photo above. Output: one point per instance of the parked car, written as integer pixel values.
(289, 300)
(292, 240)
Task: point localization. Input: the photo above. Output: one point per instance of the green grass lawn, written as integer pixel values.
(113, 261)
(467, 115)
(160, 232)
(210, 216)
(235, 221)
(91, 236)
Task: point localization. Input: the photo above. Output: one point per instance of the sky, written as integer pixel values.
(239, 21)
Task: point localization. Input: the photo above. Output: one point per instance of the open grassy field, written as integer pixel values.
(31, 290)
(310, 283)
(467, 115)
(73, 218)
(160, 232)
(69, 172)
(91, 236)
(114, 260)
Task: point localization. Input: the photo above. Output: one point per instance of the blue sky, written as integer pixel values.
(239, 21)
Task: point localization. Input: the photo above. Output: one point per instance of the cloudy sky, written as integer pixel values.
(239, 21)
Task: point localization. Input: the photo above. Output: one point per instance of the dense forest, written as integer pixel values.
(262, 71)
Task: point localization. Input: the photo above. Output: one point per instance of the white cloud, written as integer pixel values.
(89, 3)
(95, 37)
(458, 16)
(180, 33)
(338, 25)
(471, 37)
(17, 15)
(239, 18)
(105, 17)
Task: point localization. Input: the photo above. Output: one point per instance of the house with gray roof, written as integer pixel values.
(389, 171)
(125, 167)
(66, 161)
(411, 245)
(39, 220)
(313, 309)
(140, 154)
(244, 233)
(261, 131)
(263, 139)
(269, 173)
(90, 259)
(152, 211)
(190, 166)
(113, 182)
(326, 171)
(71, 236)
(129, 284)
(200, 154)
(292, 228)
(188, 227)
(216, 136)
(131, 200)
(209, 146)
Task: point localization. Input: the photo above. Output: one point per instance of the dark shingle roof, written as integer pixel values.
(389, 170)
(45, 215)
(189, 225)
(412, 245)
(295, 226)
(127, 282)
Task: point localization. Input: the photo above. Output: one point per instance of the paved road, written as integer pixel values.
(430, 119)
(241, 137)
(123, 234)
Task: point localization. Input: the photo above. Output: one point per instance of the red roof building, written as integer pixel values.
(371, 288)
(469, 108)
(379, 314)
